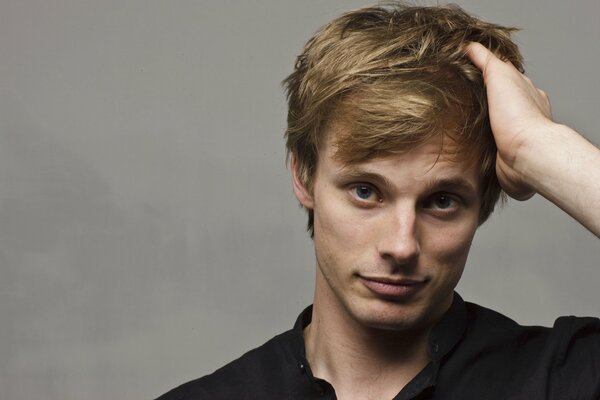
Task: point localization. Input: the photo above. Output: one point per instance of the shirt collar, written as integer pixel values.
(297, 342)
(449, 330)
(443, 337)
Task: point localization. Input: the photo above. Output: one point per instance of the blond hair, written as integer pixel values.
(395, 75)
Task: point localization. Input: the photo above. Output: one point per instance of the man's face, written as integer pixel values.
(392, 234)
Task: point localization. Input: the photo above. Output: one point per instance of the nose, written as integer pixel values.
(399, 241)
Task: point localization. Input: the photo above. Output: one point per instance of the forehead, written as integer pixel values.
(435, 161)
(345, 145)
(354, 140)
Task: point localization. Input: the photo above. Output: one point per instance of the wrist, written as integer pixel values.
(537, 155)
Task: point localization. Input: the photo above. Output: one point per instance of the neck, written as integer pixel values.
(359, 361)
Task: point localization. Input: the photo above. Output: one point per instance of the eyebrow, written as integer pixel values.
(354, 173)
(454, 183)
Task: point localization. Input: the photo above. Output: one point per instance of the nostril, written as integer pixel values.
(405, 266)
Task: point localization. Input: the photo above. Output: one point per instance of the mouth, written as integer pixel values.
(393, 288)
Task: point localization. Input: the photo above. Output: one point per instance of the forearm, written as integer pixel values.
(565, 168)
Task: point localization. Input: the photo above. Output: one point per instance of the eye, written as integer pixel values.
(443, 202)
(363, 193)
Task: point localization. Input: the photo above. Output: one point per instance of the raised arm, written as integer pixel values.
(535, 154)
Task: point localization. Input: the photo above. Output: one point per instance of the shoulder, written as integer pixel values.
(490, 322)
(485, 323)
(266, 366)
(492, 328)
(574, 352)
(543, 361)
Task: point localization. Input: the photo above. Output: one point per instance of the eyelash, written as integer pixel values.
(453, 210)
(456, 201)
(436, 196)
(361, 201)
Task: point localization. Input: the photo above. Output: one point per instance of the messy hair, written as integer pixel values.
(395, 76)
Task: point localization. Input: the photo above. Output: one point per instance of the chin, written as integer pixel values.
(391, 317)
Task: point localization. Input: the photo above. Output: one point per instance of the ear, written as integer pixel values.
(300, 190)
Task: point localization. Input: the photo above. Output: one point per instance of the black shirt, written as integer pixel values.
(475, 353)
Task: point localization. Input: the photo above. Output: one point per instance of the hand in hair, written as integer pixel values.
(536, 154)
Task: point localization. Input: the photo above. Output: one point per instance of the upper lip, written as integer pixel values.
(394, 280)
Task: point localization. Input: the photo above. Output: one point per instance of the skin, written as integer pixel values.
(536, 154)
(408, 217)
(396, 217)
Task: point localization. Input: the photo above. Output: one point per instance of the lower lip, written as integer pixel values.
(392, 290)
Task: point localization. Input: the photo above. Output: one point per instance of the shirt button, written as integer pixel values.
(302, 368)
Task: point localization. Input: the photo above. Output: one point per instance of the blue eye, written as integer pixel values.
(364, 195)
(363, 192)
(443, 201)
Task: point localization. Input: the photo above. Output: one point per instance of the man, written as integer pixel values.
(402, 130)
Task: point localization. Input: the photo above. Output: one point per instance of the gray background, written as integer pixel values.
(148, 232)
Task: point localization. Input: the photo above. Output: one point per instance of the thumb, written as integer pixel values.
(479, 55)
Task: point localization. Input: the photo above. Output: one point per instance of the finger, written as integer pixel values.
(479, 55)
(547, 104)
(543, 94)
(483, 58)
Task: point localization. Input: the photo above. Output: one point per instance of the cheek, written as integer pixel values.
(342, 237)
(337, 224)
(453, 244)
